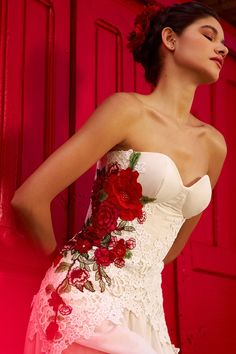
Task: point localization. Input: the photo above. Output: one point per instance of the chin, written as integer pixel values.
(211, 80)
(208, 77)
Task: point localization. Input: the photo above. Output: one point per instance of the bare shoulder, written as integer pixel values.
(214, 138)
(216, 141)
(217, 149)
(120, 113)
(123, 102)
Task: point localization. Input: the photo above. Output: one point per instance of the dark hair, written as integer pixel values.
(145, 40)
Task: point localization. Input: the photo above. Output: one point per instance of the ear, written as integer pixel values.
(168, 38)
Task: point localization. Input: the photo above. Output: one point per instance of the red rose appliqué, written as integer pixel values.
(124, 191)
(130, 243)
(83, 245)
(78, 276)
(102, 256)
(105, 220)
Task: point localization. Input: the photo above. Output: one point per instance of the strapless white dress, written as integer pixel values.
(119, 311)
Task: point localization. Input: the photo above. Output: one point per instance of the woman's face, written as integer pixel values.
(200, 49)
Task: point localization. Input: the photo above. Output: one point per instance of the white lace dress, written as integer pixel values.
(108, 298)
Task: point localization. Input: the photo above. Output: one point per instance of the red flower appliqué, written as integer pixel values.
(55, 301)
(83, 245)
(130, 243)
(102, 256)
(124, 191)
(105, 220)
(116, 201)
(90, 234)
(52, 330)
(78, 276)
(120, 249)
(119, 262)
(65, 309)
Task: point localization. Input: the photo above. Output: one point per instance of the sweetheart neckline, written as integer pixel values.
(171, 160)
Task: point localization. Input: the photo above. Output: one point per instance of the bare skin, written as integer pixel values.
(160, 121)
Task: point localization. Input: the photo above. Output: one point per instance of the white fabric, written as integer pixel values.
(160, 178)
(128, 318)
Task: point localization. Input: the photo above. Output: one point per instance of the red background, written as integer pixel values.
(58, 61)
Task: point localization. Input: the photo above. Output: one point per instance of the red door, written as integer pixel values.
(52, 80)
(34, 101)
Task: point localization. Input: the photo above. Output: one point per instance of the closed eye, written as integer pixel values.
(208, 37)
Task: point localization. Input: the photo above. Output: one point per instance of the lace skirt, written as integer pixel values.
(133, 336)
(101, 322)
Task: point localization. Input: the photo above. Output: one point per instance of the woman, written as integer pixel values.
(102, 293)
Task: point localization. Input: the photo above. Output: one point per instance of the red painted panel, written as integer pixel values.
(224, 112)
(34, 101)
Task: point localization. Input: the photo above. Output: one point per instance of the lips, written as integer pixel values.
(219, 61)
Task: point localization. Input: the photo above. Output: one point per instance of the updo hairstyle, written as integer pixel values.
(145, 39)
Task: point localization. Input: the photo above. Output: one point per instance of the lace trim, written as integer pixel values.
(123, 158)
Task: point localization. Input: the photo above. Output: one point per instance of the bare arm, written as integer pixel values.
(107, 127)
(217, 153)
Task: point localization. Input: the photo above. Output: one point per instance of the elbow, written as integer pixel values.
(15, 201)
(19, 202)
(168, 260)
(28, 197)
(170, 257)
(24, 202)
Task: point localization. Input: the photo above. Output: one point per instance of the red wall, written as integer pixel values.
(51, 81)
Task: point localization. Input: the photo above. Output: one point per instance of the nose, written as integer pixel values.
(222, 50)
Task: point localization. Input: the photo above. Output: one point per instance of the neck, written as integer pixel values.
(173, 96)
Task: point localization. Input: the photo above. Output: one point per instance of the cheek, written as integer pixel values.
(194, 57)
(187, 59)
(191, 51)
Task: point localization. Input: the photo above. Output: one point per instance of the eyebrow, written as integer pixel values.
(214, 30)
